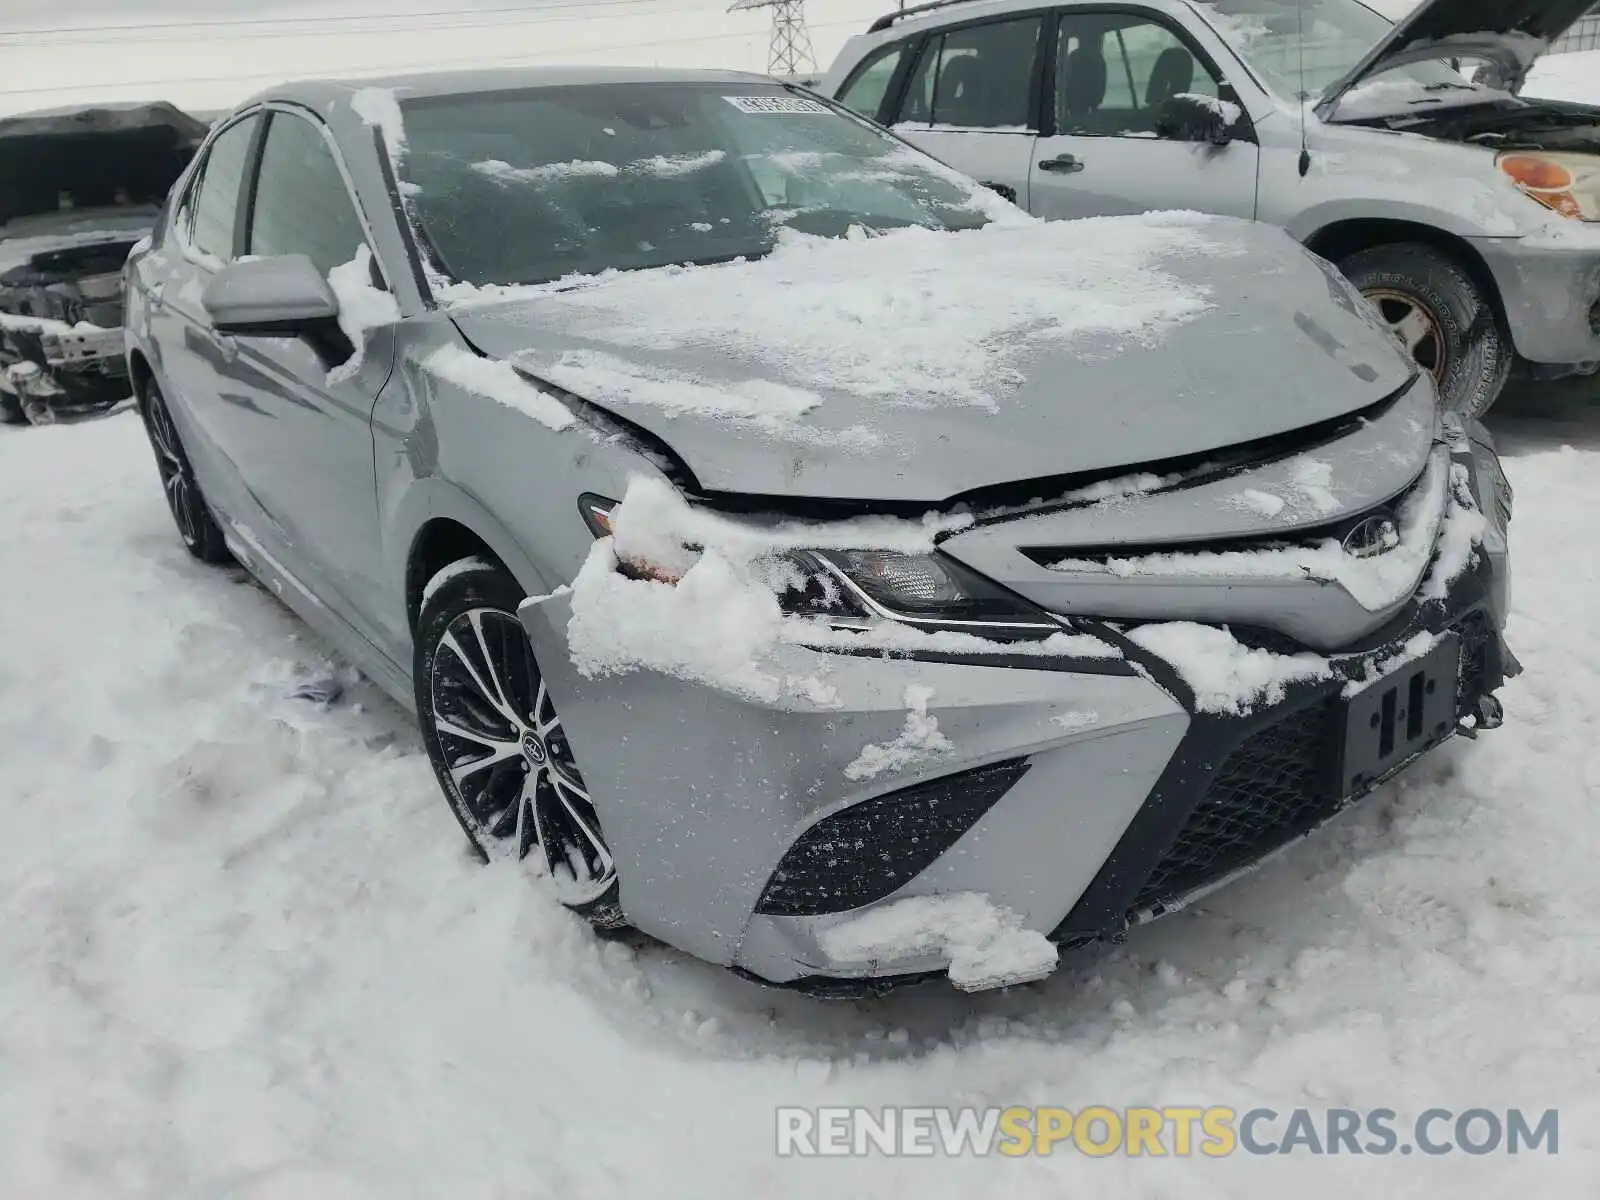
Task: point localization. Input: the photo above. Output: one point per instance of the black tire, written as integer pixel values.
(11, 410)
(1463, 345)
(528, 796)
(196, 526)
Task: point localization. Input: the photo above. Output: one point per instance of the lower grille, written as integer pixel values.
(861, 854)
(1264, 795)
(1273, 787)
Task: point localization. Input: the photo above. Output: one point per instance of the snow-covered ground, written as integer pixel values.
(243, 952)
(1566, 77)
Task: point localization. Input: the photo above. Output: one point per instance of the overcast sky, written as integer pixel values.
(55, 52)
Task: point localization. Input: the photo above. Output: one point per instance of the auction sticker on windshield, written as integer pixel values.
(776, 105)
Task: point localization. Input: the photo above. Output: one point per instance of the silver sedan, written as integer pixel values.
(792, 551)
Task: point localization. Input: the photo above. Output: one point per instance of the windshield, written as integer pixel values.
(1338, 35)
(527, 187)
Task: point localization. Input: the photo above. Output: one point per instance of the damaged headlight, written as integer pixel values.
(930, 591)
(1568, 184)
(858, 588)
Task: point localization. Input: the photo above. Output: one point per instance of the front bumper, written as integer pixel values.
(1551, 294)
(50, 372)
(1121, 798)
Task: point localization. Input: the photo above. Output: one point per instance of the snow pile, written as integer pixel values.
(1376, 581)
(1389, 96)
(1226, 109)
(669, 166)
(1225, 675)
(919, 741)
(911, 317)
(984, 943)
(1463, 530)
(379, 108)
(498, 381)
(694, 594)
(713, 625)
(362, 307)
(503, 172)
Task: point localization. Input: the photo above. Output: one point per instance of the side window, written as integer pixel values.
(870, 84)
(976, 77)
(214, 204)
(1114, 72)
(302, 204)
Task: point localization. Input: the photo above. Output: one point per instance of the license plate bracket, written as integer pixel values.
(1395, 718)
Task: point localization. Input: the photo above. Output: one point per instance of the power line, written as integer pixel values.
(325, 19)
(790, 52)
(401, 23)
(397, 68)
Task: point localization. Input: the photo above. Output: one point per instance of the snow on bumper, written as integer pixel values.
(748, 776)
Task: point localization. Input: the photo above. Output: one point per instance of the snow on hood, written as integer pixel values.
(1509, 34)
(1376, 581)
(921, 365)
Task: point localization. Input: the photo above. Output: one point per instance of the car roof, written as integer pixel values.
(892, 26)
(318, 92)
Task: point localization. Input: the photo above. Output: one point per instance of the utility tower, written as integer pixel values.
(791, 42)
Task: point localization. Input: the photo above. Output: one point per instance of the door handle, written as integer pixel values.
(227, 346)
(1069, 164)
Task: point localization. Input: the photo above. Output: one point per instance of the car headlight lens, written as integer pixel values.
(1568, 184)
(859, 587)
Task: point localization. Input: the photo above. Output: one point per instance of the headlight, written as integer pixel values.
(929, 590)
(1568, 184)
(856, 588)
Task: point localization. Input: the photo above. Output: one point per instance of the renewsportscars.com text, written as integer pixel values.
(1098, 1131)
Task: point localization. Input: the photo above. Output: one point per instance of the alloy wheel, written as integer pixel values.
(1416, 328)
(176, 480)
(507, 756)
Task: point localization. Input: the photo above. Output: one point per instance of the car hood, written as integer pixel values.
(922, 367)
(1511, 34)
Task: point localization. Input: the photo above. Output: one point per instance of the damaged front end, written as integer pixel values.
(78, 190)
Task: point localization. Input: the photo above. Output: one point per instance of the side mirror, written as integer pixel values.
(1187, 117)
(271, 297)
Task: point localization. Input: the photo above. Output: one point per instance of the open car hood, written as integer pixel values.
(1280, 346)
(1510, 34)
(99, 156)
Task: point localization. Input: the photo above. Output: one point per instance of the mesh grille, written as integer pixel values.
(1269, 791)
(1264, 795)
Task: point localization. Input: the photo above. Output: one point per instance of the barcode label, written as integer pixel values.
(773, 106)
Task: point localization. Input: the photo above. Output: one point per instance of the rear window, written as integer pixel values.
(531, 186)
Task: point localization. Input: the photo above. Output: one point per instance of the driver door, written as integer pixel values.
(1112, 72)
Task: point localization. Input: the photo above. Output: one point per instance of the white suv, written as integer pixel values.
(1465, 212)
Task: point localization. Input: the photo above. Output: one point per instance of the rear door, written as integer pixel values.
(300, 417)
(1110, 72)
(973, 99)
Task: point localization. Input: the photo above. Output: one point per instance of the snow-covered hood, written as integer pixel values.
(1511, 34)
(921, 366)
